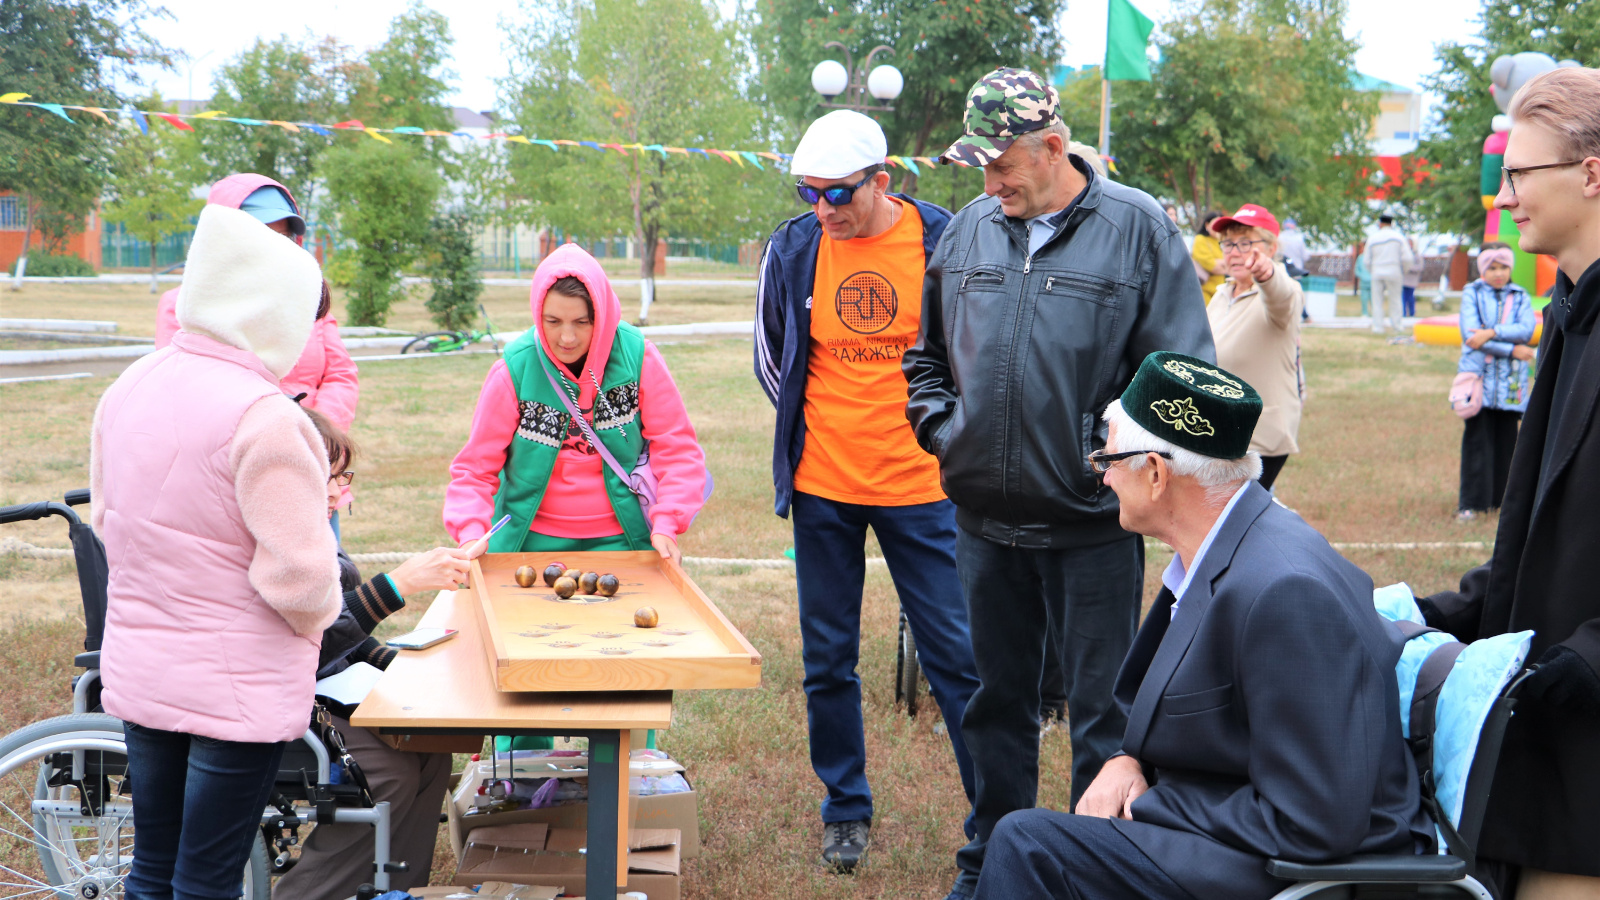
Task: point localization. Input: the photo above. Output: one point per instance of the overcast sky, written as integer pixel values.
(1397, 37)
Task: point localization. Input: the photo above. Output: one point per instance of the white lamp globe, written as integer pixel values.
(885, 82)
(829, 78)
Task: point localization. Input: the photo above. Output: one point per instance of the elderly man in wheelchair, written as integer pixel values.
(1265, 737)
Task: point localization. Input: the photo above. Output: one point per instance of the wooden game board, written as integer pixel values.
(535, 641)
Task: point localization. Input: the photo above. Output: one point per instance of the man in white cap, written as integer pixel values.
(837, 304)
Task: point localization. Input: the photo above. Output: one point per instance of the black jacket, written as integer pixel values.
(1544, 808)
(1019, 355)
(783, 330)
(1269, 713)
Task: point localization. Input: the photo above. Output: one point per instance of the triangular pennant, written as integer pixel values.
(910, 162)
(55, 108)
(753, 160)
(376, 135)
(590, 144)
(720, 155)
(138, 119)
(209, 114)
(567, 143)
(436, 134)
(286, 126)
(94, 110)
(616, 147)
(518, 138)
(13, 97)
(465, 134)
(174, 121)
(677, 150)
(246, 121)
(406, 129)
(316, 129)
(772, 156)
(657, 148)
(550, 144)
(350, 123)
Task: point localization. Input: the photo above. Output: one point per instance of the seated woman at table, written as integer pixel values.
(528, 457)
(337, 858)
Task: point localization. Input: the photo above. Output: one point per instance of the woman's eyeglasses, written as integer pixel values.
(344, 478)
(1241, 246)
(837, 195)
(1101, 461)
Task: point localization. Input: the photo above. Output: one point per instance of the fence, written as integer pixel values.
(118, 249)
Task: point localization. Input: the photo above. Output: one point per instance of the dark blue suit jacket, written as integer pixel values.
(1267, 713)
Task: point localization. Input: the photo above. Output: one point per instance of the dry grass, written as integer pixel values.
(1378, 463)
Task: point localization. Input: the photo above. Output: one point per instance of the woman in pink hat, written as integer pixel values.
(1255, 321)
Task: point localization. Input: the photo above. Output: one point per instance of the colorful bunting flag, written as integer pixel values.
(13, 98)
(174, 121)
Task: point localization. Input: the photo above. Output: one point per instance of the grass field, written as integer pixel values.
(1378, 464)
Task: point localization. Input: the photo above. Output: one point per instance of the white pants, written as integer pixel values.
(1386, 302)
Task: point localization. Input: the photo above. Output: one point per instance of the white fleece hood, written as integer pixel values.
(249, 287)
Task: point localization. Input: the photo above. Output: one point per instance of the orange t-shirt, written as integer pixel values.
(866, 305)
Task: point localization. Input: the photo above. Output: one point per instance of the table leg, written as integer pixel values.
(606, 829)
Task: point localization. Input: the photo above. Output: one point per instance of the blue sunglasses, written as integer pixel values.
(838, 195)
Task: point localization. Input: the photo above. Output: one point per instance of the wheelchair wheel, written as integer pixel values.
(427, 343)
(63, 836)
(907, 673)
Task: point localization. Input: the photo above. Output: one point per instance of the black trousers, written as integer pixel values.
(1020, 601)
(1486, 445)
(1270, 467)
(1039, 854)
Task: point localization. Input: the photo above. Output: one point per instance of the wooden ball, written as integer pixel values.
(589, 583)
(565, 587)
(526, 576)
(552, 572)
(645, 617)
(574, 574)
(607, 584)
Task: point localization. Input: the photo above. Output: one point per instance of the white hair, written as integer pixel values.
(1220, 477)
(1089, 155)
(1034, 140)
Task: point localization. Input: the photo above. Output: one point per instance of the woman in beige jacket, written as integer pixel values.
(1255, 321)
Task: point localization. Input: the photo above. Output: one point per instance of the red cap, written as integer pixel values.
(1251, 215)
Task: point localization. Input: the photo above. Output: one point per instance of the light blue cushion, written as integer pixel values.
(1481, 672)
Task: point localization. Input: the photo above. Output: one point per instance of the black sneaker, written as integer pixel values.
(844, 844)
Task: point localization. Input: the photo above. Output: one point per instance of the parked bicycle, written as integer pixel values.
(449, 341)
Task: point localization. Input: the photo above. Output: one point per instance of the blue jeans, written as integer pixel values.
(1037, 854)
(1017, 600)
(196, 803)
(830, 566)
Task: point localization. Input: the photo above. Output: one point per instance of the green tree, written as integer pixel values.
(151, 191)
(280, 80)
(65, 52)
(453, 268)
(646, 75)
(941, 47)
(1252, 102)
(1449, 201)
(384, 201)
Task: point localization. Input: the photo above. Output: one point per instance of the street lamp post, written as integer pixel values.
(831, 79)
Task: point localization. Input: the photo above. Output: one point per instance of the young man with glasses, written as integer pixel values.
(837, 304)
(1541, 833)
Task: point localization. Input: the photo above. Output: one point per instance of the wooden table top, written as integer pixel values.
(449, 685)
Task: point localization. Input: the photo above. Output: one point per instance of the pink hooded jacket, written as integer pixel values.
(575, 505)
(324, 372)
(209, 491)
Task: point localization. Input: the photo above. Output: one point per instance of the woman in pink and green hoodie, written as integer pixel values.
(525, 457)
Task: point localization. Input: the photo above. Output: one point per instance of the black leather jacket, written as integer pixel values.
(1019, 355)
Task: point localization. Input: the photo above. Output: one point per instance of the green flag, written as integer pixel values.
(1127, 35)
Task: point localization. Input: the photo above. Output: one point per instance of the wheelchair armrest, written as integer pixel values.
(90, 660)
(1374, 867)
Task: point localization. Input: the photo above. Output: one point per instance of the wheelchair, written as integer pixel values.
(907, 673)
(1385, 876)
(66, 808)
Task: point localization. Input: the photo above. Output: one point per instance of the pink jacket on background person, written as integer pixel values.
(324, 372)
(209, 490)
(576, 505)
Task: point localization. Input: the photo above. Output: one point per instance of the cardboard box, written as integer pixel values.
(677, 811)
(533, 853)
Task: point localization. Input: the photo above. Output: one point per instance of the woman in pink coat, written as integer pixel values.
(210, 492)
(323, 372)
(527, 458)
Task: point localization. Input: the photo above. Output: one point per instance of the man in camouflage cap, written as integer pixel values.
(1038, 305)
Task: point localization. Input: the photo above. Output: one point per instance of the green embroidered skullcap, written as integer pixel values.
(1193, 404)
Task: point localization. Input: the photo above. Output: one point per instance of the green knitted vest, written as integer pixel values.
(542, 427)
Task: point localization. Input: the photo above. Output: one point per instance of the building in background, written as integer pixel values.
(84, 244)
